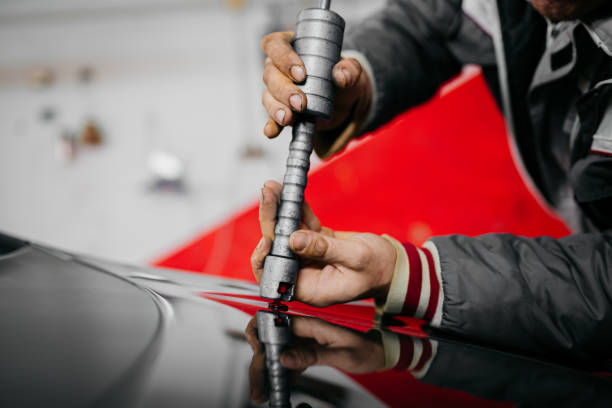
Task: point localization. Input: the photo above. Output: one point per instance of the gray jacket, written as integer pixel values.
(554, 84)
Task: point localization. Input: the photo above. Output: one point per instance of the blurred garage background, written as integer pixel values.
(129, 126)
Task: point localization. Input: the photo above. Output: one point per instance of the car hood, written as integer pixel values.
(81, 331)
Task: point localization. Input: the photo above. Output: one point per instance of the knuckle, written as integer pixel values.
(355, 64)
(320, 247)
(363, 254)
(266, 40)
(267, 73)
(255, 260)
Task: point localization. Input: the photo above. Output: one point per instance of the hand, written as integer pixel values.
(333, 346)
(336, 267)
(316, 343)
(282, 97)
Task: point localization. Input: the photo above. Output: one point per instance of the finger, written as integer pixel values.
(275, 187)
(268, 206)
(328, 232)
(259, 255)
(277, 46)
(282, 88)
(251, 336)
(323, 333)
(272, 129)
(346, 73)
(257, 379)
(310, 219)
(344, 234)
(278, 112)
(352, 253)
(302, 357)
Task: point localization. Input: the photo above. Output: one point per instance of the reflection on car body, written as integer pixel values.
(80, 331)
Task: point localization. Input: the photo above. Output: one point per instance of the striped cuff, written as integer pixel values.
(408, 353)
(416, 288)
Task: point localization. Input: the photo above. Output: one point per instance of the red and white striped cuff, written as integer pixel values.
(416, 288)
(404, 353)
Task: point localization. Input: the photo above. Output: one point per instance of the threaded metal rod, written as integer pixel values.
(294, 183)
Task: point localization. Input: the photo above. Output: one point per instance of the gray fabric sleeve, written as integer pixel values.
(406, 45)
(538, 294)
(505, 377)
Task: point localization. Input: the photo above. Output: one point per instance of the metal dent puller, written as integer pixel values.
(318, 42)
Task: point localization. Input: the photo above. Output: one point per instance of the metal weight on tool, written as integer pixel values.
(318, 41)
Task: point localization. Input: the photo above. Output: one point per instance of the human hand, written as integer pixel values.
(336, 266)
(281, 98)
(315, 343)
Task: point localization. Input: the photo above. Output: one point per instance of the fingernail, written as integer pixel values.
(261, 195)
(300, 241)
(347, 76)
(297, 73)
(280, 116)
(261, 242)
(296, 102)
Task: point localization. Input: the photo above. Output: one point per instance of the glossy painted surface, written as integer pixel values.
(78, 331)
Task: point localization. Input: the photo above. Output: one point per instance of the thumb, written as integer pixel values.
(351, 253)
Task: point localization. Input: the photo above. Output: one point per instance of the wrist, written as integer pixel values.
(386, 269)
(394, 276)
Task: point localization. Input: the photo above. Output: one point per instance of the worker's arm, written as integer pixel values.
(542, 294)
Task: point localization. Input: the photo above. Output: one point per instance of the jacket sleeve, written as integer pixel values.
(476, 370)
(537, 294)
(408, 49)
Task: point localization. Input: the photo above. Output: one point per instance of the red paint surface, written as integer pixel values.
(359, 317)
(441, 168)
(394, 388)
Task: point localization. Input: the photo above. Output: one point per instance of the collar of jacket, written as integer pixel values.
(600, 30)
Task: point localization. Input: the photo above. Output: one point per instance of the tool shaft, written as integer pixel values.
(294, 183)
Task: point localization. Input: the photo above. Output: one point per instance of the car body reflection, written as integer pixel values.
(292, 344)
(81, 331)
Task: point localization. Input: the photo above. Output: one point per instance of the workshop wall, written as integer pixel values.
(127, 127)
